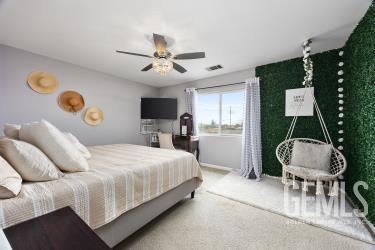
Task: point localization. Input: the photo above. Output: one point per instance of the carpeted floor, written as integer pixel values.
(213, 222)
(271, 195)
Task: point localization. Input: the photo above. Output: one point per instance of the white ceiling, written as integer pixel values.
(237, 34)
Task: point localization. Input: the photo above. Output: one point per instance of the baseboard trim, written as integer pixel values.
(215, 166)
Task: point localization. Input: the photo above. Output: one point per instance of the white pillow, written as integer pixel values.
(165, 141)
(55, 145)
(31, 163)
(12, 131)
(80, 147)
(10, 181)
(309, 155)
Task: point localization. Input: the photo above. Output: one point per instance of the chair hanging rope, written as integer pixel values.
(284, 150)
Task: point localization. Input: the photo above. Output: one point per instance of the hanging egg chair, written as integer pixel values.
(312, 160)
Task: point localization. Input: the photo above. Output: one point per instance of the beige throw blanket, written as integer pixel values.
(121, 177)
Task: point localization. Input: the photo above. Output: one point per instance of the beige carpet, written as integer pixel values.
(271, 195)
(214, 222)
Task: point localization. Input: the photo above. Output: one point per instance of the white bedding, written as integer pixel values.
(121, 177)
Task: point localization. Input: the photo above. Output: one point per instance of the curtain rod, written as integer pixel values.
(217, 86)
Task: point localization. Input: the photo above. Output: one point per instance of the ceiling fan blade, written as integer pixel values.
(194, 55)
(160, 43)
(179, 68)
(133, 54)
(147, 68)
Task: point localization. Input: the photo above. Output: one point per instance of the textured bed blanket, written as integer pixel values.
(121, 177)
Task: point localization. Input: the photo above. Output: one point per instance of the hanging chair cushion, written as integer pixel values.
(310, 155)
(308, 173)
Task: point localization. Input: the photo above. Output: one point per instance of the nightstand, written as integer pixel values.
(188, 143)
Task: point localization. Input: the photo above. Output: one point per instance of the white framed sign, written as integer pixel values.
(293, 98)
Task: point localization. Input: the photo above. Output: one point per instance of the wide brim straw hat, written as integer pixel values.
(71, 101)
(94, 116)
(42, 82)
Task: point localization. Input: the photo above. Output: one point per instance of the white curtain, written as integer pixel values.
(191, 103)
(251, 162)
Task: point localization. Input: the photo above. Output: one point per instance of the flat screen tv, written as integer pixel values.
(159, 108)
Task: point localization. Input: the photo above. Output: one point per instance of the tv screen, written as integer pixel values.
(159, 108)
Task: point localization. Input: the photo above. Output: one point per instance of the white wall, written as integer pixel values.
(118, 98)
(217, 150)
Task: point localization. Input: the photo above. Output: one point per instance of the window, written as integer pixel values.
(208, 113)
(220, 113)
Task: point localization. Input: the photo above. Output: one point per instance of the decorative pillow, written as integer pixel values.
(10, 181)
(80, 147)
(55, 145)
(309, 155)
(165, 141)
(12, 131)
(31, 163)
(308, 173)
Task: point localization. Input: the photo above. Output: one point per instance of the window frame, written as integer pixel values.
(221, 93)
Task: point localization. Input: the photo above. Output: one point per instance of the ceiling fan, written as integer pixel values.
(162, 60)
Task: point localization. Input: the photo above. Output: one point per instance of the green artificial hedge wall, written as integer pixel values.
(274, 80)
(359, 106)
(359, 122)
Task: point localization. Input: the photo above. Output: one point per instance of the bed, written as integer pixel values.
(126, 187)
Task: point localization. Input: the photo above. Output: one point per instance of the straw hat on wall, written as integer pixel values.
(71, 101)
(42, 82)
(94, 116)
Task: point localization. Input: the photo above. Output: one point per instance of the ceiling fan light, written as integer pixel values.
(162, 66)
